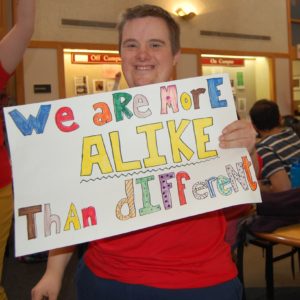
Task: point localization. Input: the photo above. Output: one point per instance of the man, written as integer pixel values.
(278, 146)
(12, 48)
(185, 259)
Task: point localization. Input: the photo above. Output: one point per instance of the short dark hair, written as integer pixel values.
(147, 10)
(265, 114)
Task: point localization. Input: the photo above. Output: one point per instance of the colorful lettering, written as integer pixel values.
(147, 208)
(128, 202)
(102, 117)
(169, 98)
(138, 102)
(37, 123)
(65, 114)
(154, 159)
(165, 187)
(120, 165)
(177, 145)
(89, 213)
(120, 106)
(246, 165)
(30, 213)
(214, 92)
(196, 96)
(202, 139)
(72, 219)
(94, 153)
(50, 219)
(181, 186)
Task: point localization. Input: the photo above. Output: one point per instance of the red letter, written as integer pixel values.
(89, 213)
(181, 186)
(65, 114)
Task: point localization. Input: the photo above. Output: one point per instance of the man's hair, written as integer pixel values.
(265, 114)
(147, 10)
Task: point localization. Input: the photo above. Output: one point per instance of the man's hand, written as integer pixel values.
(239, 134)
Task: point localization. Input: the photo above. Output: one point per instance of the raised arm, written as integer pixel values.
(14, 43)
(50, 284)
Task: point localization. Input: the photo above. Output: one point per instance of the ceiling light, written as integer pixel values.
(184, 15)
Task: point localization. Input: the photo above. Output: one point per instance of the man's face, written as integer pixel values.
(146, 51)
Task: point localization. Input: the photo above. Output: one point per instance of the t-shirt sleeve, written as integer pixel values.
(271, 162)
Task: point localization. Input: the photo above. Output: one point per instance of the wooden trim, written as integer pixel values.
(61, 73)
(20, 92)
(289, 25)
(199, 65)
(272, 79)
(71, 45)
(235, 53)
(293, 53)
(3, 19)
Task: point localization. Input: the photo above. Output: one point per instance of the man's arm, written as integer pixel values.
(279, 182)
(50, 284)
(14, 43)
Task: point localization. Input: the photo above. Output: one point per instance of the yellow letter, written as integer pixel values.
(72, 218)
(177, 144)
(154, 158)
(201, 138)
(116, 150)
(186, 101)
(100, 157)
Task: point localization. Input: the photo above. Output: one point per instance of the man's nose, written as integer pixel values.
(143, 53)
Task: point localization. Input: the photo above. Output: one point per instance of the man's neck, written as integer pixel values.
(265, 133)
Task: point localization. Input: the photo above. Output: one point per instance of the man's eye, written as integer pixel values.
(130, 45)
(155, 45)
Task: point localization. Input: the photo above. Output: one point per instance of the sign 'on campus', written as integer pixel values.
(99, 165)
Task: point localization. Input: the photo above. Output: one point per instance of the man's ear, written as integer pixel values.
(176, 57)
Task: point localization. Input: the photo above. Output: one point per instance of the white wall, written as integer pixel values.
(263, 82)
(258, 17)
(187, 66)
(283, 89)
(267, 17)
(40, 67)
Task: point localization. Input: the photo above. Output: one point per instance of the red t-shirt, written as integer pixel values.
(5, 168)
(189, 253)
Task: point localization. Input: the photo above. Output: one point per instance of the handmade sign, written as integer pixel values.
(99, 165)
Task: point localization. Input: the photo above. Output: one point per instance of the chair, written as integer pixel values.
(268, 228)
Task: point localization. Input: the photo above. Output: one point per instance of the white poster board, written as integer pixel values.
(94, 166)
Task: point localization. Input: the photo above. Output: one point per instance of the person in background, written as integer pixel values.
(293, 122)
(12, 48)
(278, 146)
(185, 259)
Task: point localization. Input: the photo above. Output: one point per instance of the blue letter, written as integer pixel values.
(214, 93)
(37, 123)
